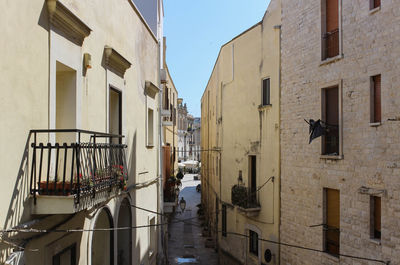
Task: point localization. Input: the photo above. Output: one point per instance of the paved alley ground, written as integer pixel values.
(186, 245)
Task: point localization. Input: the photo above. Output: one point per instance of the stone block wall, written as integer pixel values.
(371, 155)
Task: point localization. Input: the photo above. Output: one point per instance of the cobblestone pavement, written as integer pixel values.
(186, 244)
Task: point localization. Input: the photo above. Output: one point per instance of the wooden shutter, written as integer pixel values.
(377, 98)
(332, 215)
(377, 3)
(167, 163)
(377, 217)
(332, 15)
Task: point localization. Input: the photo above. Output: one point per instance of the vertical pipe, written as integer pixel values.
(40, 166)
(48, 167)
(65, 165)
(72, 168)
(57, 146)
(77, 170)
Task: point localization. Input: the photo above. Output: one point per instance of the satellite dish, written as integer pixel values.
(268, 256)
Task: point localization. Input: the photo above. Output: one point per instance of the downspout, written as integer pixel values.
(279, 27)
(160, 162)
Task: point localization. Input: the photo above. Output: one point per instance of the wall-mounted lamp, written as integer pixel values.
(87, 61)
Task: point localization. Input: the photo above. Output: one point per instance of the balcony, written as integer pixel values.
(246, 199)
(171, 193)
(72, 170)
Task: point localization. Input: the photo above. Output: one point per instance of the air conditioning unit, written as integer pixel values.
(165, 113)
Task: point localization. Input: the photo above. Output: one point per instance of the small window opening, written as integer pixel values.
(330, 34)
(266, 91)
(150, 127)
(330, 108)
(375, 217)
(332, 222)
(374, 4)
(376, 107)
(253, 240)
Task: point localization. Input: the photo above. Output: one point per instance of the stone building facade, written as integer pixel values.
(185, 124)
(240, 170)
(340, 194)
(90, 81)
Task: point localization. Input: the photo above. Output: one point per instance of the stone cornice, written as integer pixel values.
(151, 89)
(116, 61)
(65, 21)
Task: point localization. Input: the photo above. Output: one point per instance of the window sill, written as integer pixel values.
(373, 11)
(149, 146)
(331, 157)
(331, 257)
(331, 60)
(375, 124)
(375, 241)
(263, 107)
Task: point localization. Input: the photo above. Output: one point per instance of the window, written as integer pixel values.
(330, 113)
(152, 236)
(150, 127)
(266, 100)
(66, 256)
(330, 27)
(115, 114)
(332, 221)
(253, 179)
(376, 106)
(374, 4)
(375, 217)
(253, 240)
(224, 220)
(166, 98)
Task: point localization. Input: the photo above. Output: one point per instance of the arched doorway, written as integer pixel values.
(103, 241)
(124, 236)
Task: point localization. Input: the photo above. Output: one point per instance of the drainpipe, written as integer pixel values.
(160, 164)
(279, 28)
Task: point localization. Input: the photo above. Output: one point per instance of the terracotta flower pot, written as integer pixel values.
(56, 189)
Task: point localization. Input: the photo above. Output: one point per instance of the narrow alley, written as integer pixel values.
(186, 244)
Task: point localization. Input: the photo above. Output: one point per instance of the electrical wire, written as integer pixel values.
(185, 221)
(309, 249)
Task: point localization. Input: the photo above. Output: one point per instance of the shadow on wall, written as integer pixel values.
(18, 210)
(132, 181)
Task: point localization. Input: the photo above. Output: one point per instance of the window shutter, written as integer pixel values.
(377, 217)
(377, 3)
(332, 229)
(377, 98)
(332, 15)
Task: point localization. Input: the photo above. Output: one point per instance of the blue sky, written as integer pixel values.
(195, 31)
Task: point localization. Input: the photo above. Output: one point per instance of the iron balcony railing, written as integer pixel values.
(76, 162)
(331, 44)
(245, 197)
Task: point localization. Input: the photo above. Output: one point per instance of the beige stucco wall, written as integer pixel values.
(28, 67)
(234, 122)
(171, 132)
(370, 154)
